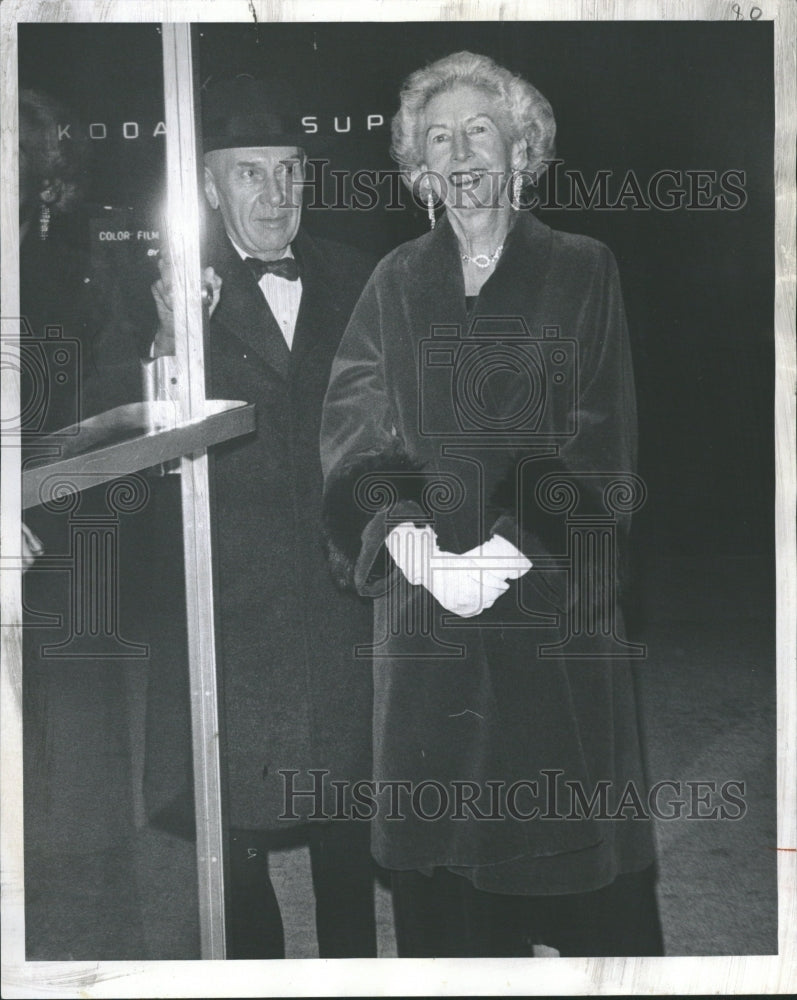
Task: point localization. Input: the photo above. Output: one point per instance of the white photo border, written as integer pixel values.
(546, 976)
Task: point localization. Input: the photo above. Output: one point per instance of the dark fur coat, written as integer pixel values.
(514, 419)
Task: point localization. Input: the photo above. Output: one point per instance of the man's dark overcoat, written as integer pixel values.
(429, 416)
(295, 696)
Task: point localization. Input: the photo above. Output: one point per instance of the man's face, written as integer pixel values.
(258, 191)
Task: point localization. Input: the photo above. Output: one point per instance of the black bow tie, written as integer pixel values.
(285, 267)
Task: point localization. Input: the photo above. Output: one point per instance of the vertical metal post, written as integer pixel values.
(184, 247)
(12, 900)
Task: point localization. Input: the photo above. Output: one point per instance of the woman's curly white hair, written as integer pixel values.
(529, 112)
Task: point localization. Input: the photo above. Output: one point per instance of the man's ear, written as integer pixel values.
(211, 193)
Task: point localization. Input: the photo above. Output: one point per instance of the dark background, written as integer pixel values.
(641, 96)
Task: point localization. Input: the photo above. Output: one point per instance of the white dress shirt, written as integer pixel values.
(283, 297)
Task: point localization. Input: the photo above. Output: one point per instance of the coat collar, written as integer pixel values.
(435, 281)
(435, 288)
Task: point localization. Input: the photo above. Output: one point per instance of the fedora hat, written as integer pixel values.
(248, 112)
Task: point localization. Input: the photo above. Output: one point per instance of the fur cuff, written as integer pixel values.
(370, 485)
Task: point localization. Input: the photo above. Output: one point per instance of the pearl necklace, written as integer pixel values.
(482, 260)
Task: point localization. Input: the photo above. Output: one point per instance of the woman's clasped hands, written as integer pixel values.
(465, 584)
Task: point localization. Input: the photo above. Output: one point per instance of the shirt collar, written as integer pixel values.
(243, 254)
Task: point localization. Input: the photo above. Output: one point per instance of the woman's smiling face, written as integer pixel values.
(468, 147)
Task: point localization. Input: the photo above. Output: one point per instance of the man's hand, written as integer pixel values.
(32, 548)
(163, 292)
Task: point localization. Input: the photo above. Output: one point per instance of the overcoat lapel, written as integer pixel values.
(243, 311)
(318, 323)
(516, 286)
(432, 295)
(434, 291)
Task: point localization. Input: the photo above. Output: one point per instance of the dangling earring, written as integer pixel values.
(517, 188)
(44, 222)
(430, 209)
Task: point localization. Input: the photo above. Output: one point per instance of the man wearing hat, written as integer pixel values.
(295, 697)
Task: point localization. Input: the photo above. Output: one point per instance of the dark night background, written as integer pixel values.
(639, 96)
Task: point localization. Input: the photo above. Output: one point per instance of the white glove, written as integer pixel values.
(412, 549)
(464, 584)
(501, 558)
(461, 586)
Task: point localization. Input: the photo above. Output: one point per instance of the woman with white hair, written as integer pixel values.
(481, 396)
